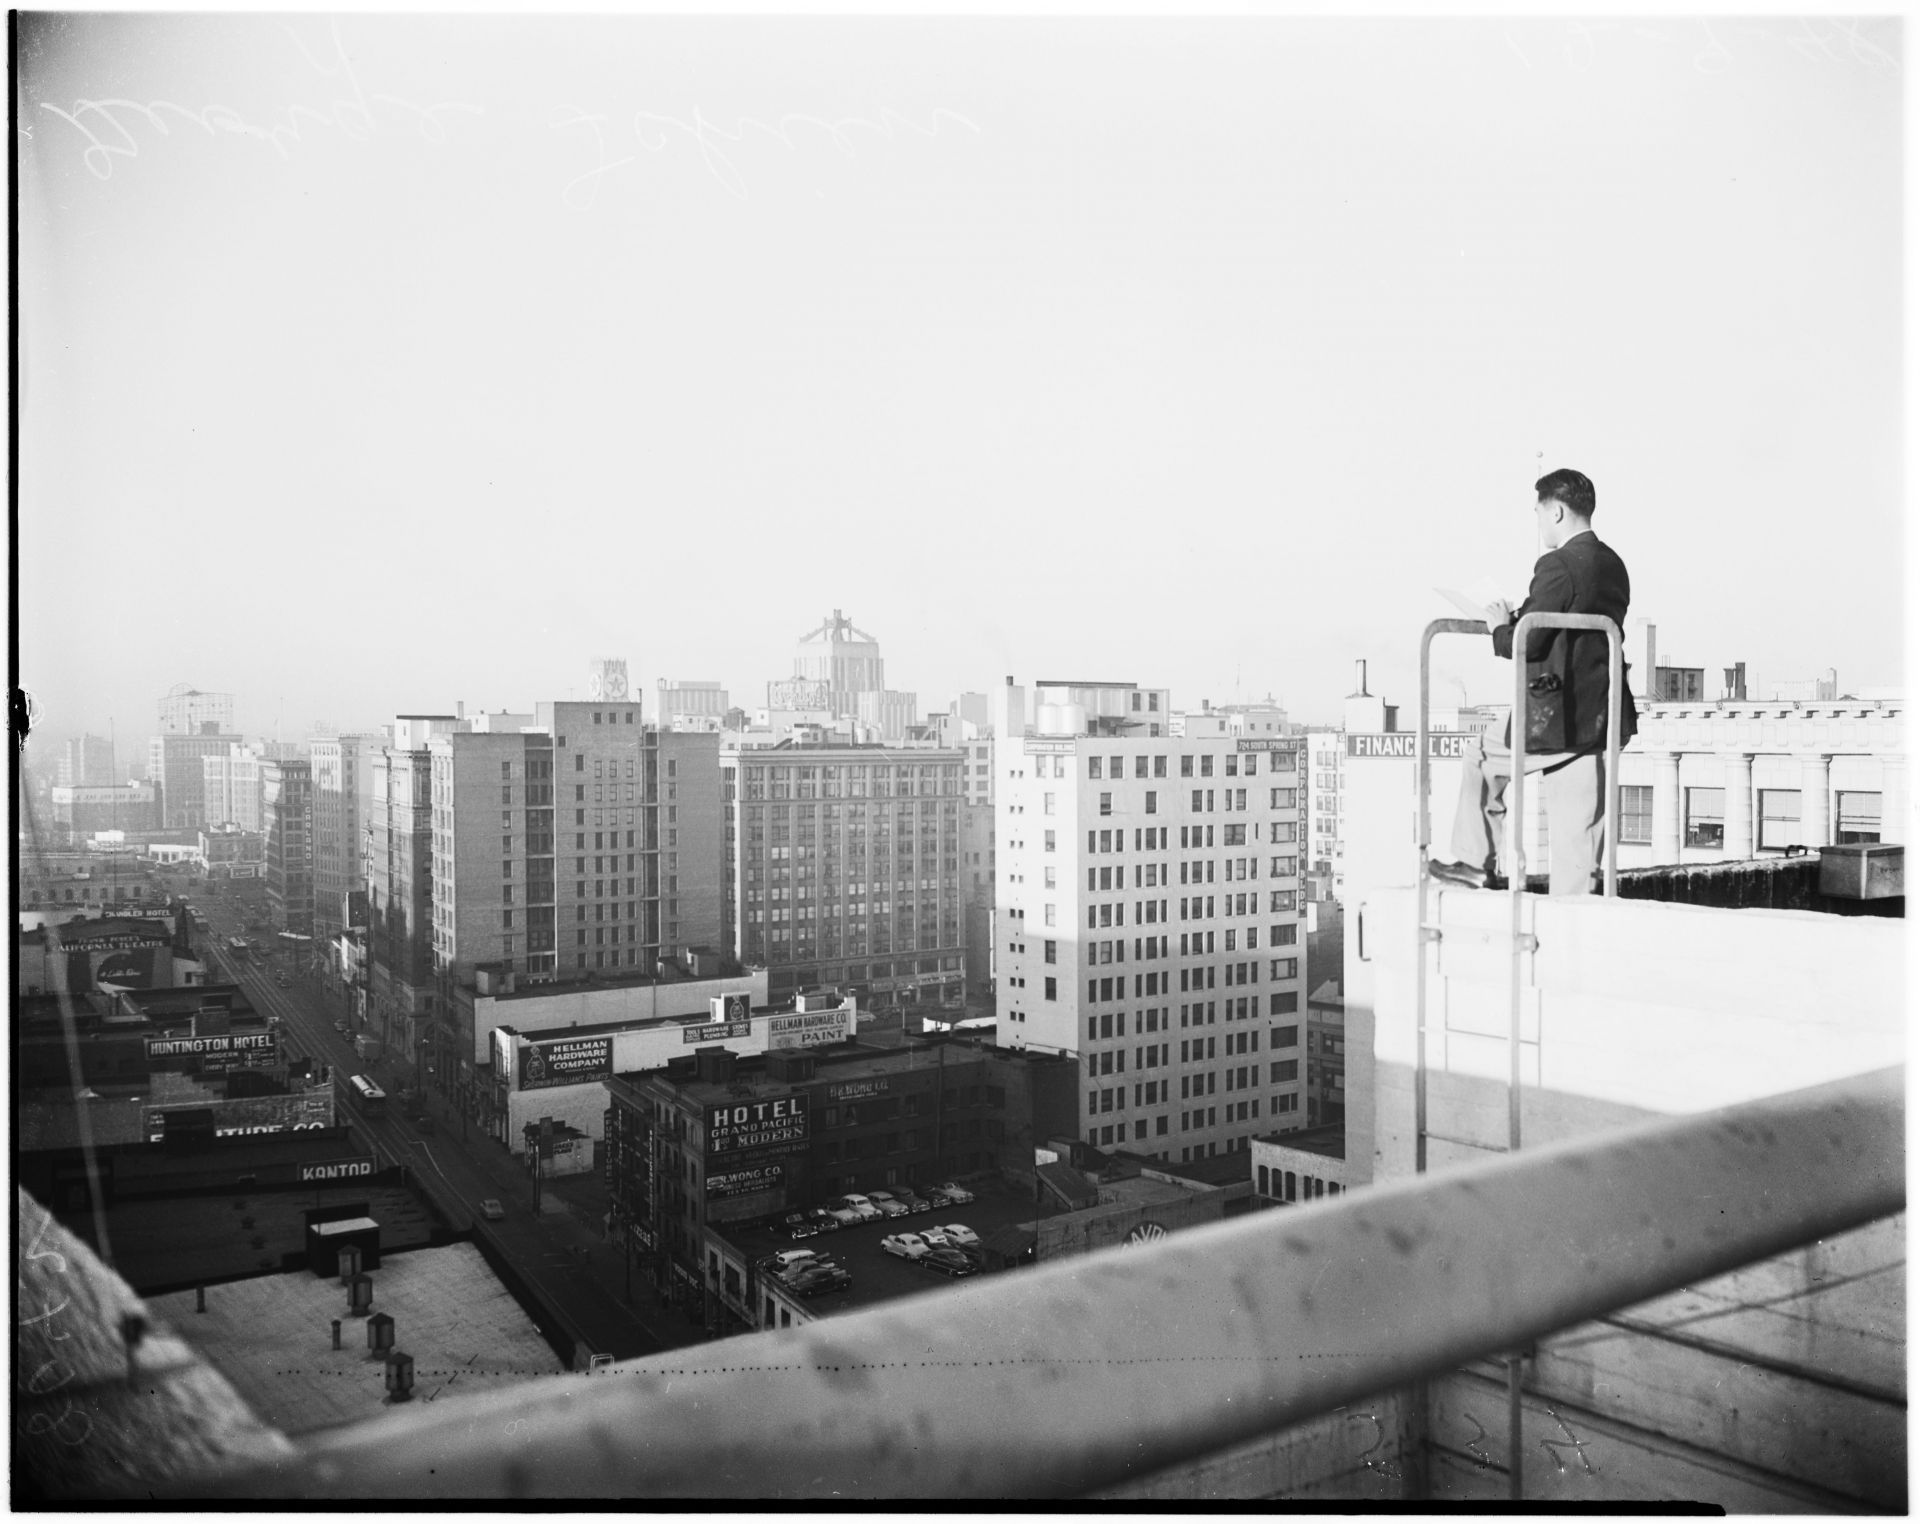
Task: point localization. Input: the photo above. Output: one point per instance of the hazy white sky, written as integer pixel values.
(1194, 352)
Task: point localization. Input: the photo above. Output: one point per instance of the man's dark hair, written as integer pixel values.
(1568, 487)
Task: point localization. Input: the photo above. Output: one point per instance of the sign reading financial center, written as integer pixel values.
(757, 1124)
(1402, 744)
(566, 1061)
(804, 1028)
(201, 1047)
(360, 1167)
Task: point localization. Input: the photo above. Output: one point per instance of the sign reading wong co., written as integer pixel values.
(226, 1042)
(803, 1028)
(566, 1061)
(1402, 744)
(743, 1182)
(756, 1124)
(854, 1090)
(357, 1168)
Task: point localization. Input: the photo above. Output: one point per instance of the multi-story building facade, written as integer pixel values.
(87, 762)
(286, 808)
(691, 704)
(176, 765)
(842, 867)
(400, 994)
(230, 781)
(1150, 922)
(79, 811)
(1321, 821)
(187, 711)
(342, 799)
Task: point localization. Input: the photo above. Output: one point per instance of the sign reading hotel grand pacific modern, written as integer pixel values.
(226, 1042)
(757, 1124)
(1401, 744)
(566, 1061)
(360, 1167)
(804, 1028)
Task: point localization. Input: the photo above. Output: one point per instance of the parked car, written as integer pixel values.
(912, 1202)
(818, 1282)
(888, 1206)
(823, 1221)
(843, 1215)
(958, 1195)
(937, 1198)
(422, 1122)
(806, 1267)
(340, 1027)
(492, 1210)
(786, 1259)
(798, 1225)
(949, 1262)
(862, 1208)
(906, 1245)
(956, 1234)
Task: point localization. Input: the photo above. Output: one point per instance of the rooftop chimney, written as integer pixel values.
(1360, 678)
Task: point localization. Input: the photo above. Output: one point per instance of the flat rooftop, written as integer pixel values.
(644, 1023)
(835, 1062)
(1329, 1141)
(272, 1337)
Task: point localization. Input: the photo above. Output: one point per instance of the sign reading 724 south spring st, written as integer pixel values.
(757, 1124)
(568, 1061)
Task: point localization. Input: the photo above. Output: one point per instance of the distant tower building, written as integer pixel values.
(845, 659)
(187, 711)
(87, 763)
(286, 809)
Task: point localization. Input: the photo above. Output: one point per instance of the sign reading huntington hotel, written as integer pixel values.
(757, 1124)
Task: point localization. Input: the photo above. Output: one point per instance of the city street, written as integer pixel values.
(566, 1259)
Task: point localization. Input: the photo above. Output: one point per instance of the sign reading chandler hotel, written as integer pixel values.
(757, 1124)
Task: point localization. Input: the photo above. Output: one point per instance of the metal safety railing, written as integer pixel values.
(1520, 943)
(1105, 1368)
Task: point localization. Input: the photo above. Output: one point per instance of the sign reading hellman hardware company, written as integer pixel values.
(757, 1124)
(566, 1061)
(359, 1167)
(804, 1028)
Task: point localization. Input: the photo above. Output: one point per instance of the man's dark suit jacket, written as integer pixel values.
(1582, 577)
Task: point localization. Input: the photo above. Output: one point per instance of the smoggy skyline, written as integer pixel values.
(371, 364)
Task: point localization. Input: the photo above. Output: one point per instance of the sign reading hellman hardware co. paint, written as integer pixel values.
(804, 1028)
(359, 1167)
(757, 1124)
(718, 1031)
(566, 1061)
(1402, 744)
(198, 1047)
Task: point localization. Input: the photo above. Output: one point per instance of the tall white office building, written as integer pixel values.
(1149, 918)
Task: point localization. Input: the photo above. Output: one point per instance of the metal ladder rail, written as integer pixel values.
(1520, 943)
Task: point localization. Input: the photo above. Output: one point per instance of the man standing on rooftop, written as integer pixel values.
(1566, 716)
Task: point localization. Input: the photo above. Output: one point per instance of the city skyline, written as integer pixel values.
(1022, 347)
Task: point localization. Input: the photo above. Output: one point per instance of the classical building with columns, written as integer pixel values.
(1705, 782)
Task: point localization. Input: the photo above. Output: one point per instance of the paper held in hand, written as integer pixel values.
(1472, 605)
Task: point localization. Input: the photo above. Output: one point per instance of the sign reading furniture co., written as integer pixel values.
(757, 1124)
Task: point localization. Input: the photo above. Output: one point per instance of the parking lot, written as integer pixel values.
(879, 1276)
